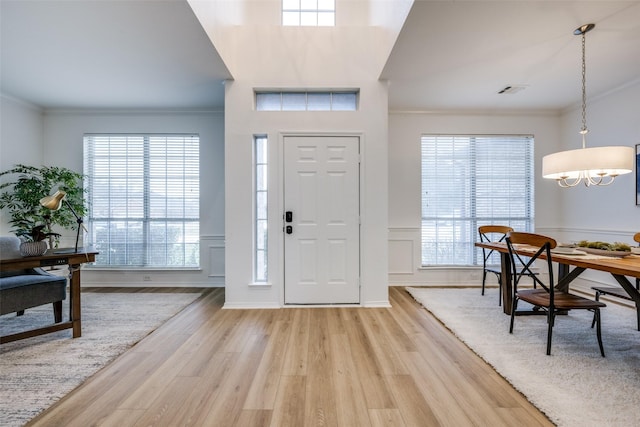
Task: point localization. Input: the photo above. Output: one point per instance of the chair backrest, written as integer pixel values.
(521, 264)
(492, 233)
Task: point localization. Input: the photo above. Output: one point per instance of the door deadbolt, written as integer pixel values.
(288, 216)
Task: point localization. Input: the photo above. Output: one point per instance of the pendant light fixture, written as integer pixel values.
(591, 166)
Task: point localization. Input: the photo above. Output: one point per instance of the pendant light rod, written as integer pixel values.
(582, 31)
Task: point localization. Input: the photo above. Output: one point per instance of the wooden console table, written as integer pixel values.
(51, 258)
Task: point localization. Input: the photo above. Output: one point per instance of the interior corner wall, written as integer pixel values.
(405, 130)
(242, 123)
(612, 120)
(63, 146)
(21, 140)
(610, 213)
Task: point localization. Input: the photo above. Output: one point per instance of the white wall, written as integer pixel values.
(601, 213)
(611, 120)
(276, 57)
(405, 130)
(63, 146)
(21, 140)
(595, 213)
(242, 123)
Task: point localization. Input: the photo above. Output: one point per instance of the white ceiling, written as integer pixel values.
(449, 54)
(459, 54)
(108, 54)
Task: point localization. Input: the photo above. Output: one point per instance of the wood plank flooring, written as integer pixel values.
(297, 367)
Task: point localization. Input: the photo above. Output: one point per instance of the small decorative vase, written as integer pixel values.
(33, 248)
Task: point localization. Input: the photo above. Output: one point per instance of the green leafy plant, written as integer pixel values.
(21, 196)
(616, 246)
(35, 234)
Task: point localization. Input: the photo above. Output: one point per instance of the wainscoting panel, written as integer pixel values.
(405, 263)
(210, 274)
(401, 256)
(216, 257)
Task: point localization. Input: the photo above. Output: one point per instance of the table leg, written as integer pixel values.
(505, 281)
(74, 302)
(565, 277)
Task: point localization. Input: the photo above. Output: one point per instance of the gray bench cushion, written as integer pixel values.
(22, 289)
(9, 282)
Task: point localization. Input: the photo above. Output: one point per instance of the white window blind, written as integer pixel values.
(144, 196)
(469, 181)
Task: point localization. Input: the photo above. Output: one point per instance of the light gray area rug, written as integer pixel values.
(574, 386)
(37, 372)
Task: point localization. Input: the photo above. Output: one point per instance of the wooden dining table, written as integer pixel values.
(569, 268)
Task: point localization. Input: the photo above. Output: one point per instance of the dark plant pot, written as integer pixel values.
(33, 248)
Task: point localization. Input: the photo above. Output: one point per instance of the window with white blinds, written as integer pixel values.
(469, 181)
(143, 194)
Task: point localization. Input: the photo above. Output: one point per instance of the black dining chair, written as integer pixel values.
(546, 297)
(619, 292)
(489, 234)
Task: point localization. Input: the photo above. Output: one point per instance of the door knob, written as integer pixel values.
(289, 229)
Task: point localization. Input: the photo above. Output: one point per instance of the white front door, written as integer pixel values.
(322, 219)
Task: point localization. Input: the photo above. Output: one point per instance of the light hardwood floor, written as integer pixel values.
(297, 367)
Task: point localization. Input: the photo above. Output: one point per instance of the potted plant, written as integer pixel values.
(22, 194)
(33, 239)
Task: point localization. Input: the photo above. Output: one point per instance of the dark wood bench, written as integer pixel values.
(28, 288)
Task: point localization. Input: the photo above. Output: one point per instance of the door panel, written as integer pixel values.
(322, 190)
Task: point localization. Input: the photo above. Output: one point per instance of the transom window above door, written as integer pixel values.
(342, 100)
(309, 13)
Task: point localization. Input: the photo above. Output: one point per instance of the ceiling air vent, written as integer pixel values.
(512, 89)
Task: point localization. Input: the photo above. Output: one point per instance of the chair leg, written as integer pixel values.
(514, 305)
(598, 331)
(57, 311)
(638, 305)
(593, 322)
(499, 291)
(484, 277)
(550, 321)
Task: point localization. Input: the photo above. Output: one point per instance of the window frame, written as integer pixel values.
(309, 11)
(260, 187)
(299, 100)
